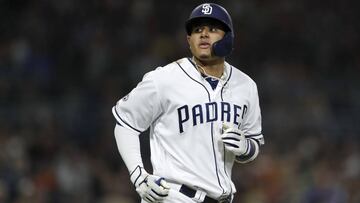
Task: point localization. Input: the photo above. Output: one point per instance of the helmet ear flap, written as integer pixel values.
(224, 46)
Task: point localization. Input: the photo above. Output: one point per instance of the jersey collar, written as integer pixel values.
(191, 69)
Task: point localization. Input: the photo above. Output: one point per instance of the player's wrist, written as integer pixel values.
(245, 148)
(251, 154)
(138, 176)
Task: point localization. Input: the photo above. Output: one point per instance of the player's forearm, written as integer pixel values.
(128, 144)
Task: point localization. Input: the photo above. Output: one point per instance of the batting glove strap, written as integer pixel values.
(251, 154)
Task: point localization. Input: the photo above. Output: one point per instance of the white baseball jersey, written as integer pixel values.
(185, 115)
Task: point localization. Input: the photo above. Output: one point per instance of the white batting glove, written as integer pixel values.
(235, 141)
(151, 188)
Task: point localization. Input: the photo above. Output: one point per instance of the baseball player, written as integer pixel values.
(203, 115)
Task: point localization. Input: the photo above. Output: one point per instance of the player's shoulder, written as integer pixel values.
(169, 68)
(166, 71)
(240, 76)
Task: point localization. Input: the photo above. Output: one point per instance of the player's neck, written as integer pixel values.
(213, 68)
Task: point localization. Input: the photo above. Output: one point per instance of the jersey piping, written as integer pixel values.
(222, 99)
(122, 120)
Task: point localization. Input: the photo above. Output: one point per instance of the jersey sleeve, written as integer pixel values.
(138, 109)
(252, 120)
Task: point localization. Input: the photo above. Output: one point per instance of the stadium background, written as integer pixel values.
(64, 64)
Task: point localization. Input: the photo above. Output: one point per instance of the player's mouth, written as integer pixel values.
(204, 45)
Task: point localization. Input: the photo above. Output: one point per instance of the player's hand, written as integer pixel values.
(151, 188)
(235, 141)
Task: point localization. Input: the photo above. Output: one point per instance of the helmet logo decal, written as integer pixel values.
(206, 9)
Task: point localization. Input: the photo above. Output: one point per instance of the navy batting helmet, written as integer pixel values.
(216, 12)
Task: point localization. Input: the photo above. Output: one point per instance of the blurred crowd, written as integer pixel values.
(64, 64)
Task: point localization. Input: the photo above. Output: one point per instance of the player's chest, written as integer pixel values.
(200, 105)
(195, 93)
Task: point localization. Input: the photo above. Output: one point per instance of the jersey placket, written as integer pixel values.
(224, 179)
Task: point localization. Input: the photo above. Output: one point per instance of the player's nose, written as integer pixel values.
(205, 32)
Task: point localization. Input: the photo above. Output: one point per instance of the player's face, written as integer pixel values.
(203, 36)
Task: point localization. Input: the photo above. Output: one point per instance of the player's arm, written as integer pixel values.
(128, 145)
(244, 148)
(245, 142)
(134, 113)
(150, 188)
(252, 128)
(252, 151)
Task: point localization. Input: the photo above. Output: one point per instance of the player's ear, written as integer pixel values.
(188, 40)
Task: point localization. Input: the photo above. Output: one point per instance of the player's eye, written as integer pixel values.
(213, 29)
(198, 29)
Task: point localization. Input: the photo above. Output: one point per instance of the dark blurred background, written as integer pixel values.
(65, 63)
